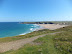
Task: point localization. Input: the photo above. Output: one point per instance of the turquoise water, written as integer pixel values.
(8, 29)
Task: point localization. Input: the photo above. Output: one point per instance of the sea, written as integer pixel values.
(9, 29)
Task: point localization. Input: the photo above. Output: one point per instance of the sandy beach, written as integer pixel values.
(51, 26)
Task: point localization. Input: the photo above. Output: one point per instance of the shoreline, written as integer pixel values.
(37, 29)
(40, 28)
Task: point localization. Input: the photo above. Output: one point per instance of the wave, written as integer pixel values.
(23, 34)
(34, 27)
(31, 29)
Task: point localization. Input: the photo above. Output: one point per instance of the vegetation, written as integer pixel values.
(60, 43)
(49, 22)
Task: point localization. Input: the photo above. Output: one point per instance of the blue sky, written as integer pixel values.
(35, 10)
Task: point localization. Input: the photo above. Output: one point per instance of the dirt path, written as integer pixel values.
(14, 45)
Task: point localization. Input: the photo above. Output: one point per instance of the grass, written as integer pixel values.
(63, 42)
(60, 43)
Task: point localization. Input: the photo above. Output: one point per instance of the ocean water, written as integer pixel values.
(8, 29)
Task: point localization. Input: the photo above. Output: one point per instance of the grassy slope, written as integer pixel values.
(51, 44)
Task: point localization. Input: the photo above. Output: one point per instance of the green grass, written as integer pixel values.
(60, 43)
(63, 42)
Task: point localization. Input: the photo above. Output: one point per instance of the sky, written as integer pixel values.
(35, 10)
